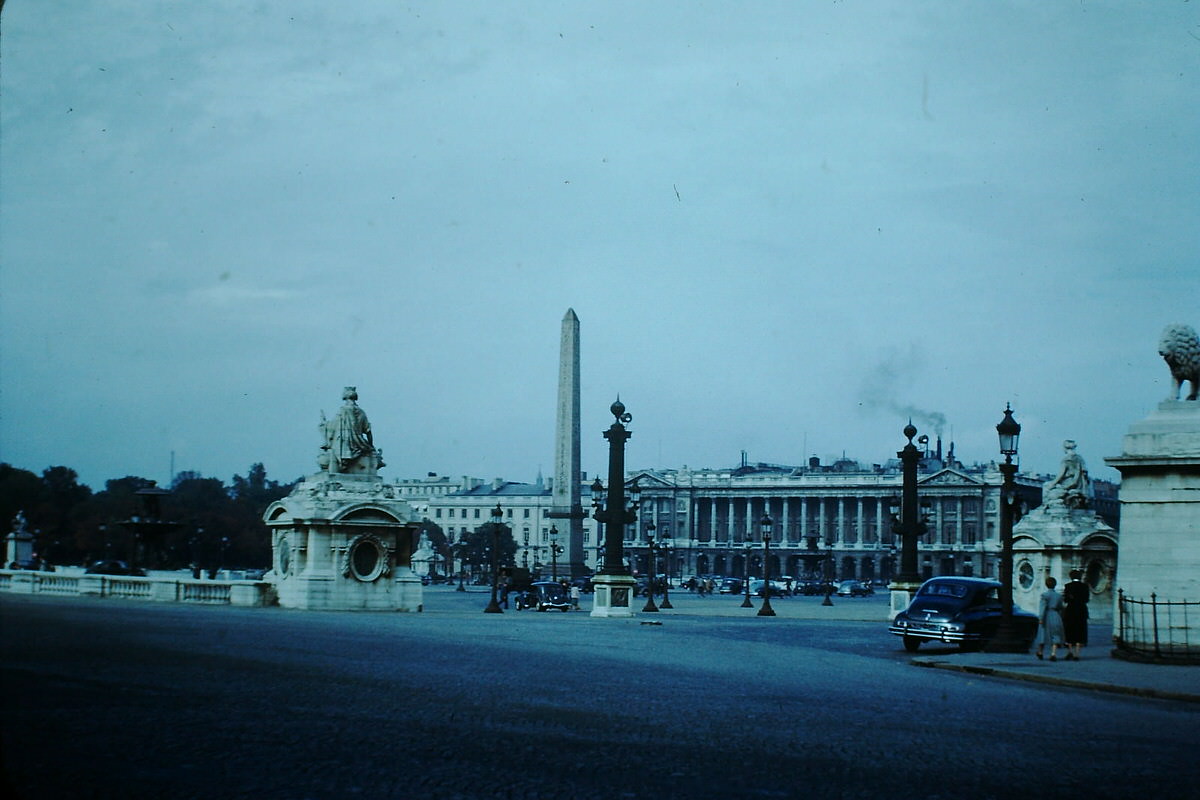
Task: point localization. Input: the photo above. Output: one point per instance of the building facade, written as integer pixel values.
(829, 521)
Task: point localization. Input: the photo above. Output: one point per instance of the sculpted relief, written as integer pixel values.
(1180, 348)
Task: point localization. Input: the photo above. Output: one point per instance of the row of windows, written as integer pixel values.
(478, 512)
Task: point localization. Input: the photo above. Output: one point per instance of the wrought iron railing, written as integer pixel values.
(1166, 631)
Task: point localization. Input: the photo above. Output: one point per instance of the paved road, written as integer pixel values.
(130, 700)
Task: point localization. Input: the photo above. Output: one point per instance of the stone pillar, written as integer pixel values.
(1159, 549)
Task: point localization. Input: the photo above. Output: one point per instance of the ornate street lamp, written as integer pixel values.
(461, 546)
(665, 547)
(650, 568)
(556, 550)
(1006, 639)
(746, 583)
(909, 528)
(493, 607)
(828, 601)
(614, 585)
(765, 525)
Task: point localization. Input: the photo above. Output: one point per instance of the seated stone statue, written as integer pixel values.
(1070, 487)
(347, 436)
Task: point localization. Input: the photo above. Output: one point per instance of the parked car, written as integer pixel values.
(962, 611)
(815, 588)
(113, 567)
(729, 586)
(854, 589)
(757, 589)
(543, 595)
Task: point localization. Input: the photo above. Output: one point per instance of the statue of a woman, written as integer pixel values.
(1069, 487)
(347, 435)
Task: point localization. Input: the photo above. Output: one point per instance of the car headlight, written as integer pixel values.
(901, 623)
(953, 627)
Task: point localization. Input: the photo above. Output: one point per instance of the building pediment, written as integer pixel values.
(649, 480)
(949, 477)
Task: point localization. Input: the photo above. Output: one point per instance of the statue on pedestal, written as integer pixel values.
(347, 436)
(1070, 486)
(1180, 348)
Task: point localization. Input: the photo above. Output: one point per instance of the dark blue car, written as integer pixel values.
(961, 611)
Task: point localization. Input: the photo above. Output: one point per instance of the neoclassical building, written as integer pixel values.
(828, 520)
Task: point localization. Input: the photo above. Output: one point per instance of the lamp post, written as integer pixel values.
(650, 607)
(1006, 639)
(493, 607)
(765, 525)
(461, 546)
(746, 583)
(665, 546)
(556, 550)
(828, 601)
(614, 586)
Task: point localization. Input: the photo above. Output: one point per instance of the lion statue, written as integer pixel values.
(1180, 348)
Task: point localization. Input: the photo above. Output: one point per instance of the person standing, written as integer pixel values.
(1050, 616)
(1075, 597)
(575, 596)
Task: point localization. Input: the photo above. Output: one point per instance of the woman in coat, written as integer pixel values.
(1050, 617)
(1075, 614)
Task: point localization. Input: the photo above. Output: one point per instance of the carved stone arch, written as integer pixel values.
(366, 512)
(276, 511)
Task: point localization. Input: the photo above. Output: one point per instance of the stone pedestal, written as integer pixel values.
(18, 547)
(1160, 505)
(614, 596)
(1052, 540)
(344, 541)
(901, 594)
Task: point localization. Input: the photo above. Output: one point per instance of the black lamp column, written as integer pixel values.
(556, 550)
(665, 547)
(493, 607)
(909, 457)
(765, 525)
(828, 573)
(613, 512)
(650, 568)
(1007, 639)
(746, 582)
(614, 585)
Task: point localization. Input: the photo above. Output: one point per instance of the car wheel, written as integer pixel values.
(564, 609)
(970, 647)
(911, 643)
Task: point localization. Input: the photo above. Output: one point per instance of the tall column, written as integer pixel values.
(565, 503)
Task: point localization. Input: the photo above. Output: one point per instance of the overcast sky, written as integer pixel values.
(785, 227)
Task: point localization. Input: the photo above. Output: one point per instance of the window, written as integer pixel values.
(452, 513)
(438, 513)
(477, 513)
(526, 513)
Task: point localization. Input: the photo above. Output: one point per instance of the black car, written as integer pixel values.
(113, 567)
(543, 595)
(855, 589)
(962, 611)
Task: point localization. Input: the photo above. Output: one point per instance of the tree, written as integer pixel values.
(476, 546)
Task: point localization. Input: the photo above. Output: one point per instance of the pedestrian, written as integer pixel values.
(1075, 614)
(504, 594)
(1050, 630)
(575, 596)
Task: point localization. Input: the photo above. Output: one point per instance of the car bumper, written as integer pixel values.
(932, 634)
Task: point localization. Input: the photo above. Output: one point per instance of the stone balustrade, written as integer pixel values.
(156, 588)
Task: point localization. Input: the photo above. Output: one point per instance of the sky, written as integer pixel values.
(786, 228)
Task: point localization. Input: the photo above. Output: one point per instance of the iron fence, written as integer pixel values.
(1158, 630)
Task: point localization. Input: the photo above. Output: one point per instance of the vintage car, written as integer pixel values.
(961, 611)
(854, 589)
(543, 595)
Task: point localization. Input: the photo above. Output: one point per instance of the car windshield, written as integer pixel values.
(945, 589)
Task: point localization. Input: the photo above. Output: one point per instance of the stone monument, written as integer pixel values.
(1063, 534)
(566, 504)
(18, 544)
(343, 539)
(1160, 489)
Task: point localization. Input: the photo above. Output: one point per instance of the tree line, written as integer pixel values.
(217, 525)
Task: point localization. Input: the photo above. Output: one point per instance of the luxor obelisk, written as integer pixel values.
(566, 505)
